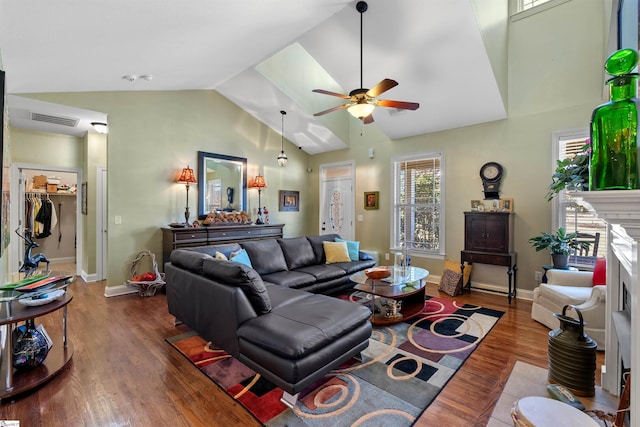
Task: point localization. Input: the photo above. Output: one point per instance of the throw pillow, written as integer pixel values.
(450, 282)
(600, 272)
(352, 247)
(336, 252)
(242, 257)
(455, 266)
(220, 255)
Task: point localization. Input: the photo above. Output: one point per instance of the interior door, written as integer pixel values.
(336, 200)
(101, 224)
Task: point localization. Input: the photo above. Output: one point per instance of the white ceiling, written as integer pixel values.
(264, 55)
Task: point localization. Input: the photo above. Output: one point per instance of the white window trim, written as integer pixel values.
(556, 137)
(441, 243)
(517, 15)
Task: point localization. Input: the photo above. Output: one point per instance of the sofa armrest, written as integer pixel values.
(582, 279)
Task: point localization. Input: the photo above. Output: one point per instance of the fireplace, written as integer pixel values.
(621, 211)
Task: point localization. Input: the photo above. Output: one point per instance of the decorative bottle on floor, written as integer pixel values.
(614, 128)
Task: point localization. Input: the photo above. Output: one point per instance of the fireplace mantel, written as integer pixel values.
(621, 210)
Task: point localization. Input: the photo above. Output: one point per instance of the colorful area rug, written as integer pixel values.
(402, 371)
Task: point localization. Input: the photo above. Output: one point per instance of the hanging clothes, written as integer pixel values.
(44, 218)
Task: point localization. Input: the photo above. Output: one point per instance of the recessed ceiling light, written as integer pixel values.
(130, 77)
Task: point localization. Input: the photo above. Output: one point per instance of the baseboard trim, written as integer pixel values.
(116, 291)
(65, 260)
(523, 294)
(88, 277)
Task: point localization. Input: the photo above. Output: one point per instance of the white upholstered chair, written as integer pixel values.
(576, 288)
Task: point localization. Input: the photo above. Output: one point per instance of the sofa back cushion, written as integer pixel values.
(188, 259)
(266, 256)
(297, 252)
(318, 249)
(239, 275)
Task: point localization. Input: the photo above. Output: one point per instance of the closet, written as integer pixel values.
(50, 214)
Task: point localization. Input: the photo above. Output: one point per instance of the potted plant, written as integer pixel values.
(571, 173)
(561, 245)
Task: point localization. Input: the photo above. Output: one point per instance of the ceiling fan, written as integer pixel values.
(363, 101)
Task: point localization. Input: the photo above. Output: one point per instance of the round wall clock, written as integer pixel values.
(491, 174)
(491, 171)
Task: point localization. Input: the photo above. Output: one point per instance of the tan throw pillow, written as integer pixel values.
(455, 266)
(336, 252)
(220, 255)
(450, 282)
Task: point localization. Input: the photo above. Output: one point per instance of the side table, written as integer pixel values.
(505, 260)
(12, 312)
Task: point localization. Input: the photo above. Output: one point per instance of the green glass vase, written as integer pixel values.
(614, 128)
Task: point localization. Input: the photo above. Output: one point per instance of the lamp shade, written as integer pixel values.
(258, 182)
(362, 109)
(187, 176)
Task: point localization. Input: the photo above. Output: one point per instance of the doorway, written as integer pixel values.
(62, 242)
(337, 199)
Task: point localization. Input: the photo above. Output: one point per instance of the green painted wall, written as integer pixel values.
(153, 135)
(42, 148)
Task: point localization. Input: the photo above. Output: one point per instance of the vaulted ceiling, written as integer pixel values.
(263, 55)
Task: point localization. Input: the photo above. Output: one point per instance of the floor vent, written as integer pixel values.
(56, 120)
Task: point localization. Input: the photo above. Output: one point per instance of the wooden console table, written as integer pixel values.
(176, 238)
(488, 239)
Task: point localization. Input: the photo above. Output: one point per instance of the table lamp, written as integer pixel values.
(259, 183)
(187, 177)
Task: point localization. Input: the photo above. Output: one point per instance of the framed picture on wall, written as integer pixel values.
(506, 205)
(371, 199)
(83, 195)
(289, 200)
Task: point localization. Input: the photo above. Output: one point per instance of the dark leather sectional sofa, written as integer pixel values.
(273, 317)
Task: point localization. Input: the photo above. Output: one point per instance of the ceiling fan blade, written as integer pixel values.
(368, 119)
(381, 87)
(339, 107)
(398, 104)
(326, 92)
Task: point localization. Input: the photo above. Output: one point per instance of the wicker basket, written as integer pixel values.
(146, 288)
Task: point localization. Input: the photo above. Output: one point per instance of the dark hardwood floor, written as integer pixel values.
(123, 373)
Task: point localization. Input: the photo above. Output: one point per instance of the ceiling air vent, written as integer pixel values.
(56, 120)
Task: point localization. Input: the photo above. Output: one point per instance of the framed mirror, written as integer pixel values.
(222, 183)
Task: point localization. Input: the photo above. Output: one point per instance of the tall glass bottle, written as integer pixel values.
(614, 128)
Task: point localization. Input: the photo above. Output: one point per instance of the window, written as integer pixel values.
(528, 4)
(523, 8)
(566, 212)
(418, 204)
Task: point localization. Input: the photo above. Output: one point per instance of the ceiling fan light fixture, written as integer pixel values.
(363, 101)
(361, 109)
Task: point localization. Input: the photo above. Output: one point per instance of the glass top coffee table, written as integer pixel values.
(395, 298)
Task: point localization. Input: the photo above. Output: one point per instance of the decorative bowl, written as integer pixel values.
(377, 272)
